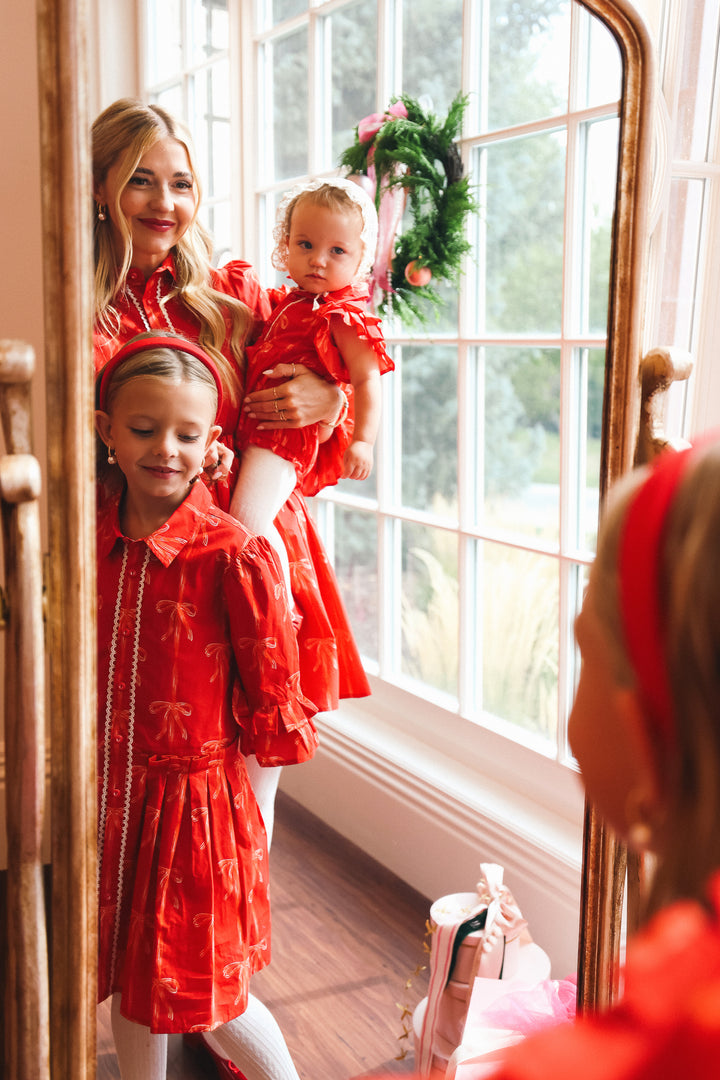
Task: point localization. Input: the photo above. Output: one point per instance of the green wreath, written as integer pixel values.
(417, 152)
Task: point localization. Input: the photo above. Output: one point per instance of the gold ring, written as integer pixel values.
(276, 405)
(275, 389)
(283, 417)
(293, 374)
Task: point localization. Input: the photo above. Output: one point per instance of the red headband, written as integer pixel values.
(639, 562)
(150, 341)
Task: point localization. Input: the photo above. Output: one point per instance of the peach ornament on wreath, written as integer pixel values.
(416, 274)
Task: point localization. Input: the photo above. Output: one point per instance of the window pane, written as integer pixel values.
(220, 225)
(355, 564)
(353, 71)
(432, 52)
(429, 428)
(287, 61)
(164, 36)
(520, 421)
(172, 99)
(210, 125)
(680, 266)
(600, 61)
(430, 606)
(524, 61)
(698, 77)
(522, 233)
(600, 182)
(518, 602)
(285, 9)
(210, 28)
(595, 360)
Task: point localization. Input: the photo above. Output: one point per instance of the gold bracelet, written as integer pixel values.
(341, 415)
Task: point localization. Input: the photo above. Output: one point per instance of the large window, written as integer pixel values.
(463, 558)
(187, 71)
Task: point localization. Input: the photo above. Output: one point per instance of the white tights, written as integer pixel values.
(264, 781)
(253, 1042)
(265, 483)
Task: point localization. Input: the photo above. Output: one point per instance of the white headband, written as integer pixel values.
(368, 236)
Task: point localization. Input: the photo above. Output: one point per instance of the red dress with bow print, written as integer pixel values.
(197, 665)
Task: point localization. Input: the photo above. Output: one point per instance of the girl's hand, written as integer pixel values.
(357, 461)
(303, 398)
(218, 461)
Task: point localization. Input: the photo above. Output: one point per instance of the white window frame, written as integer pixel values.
(538, 796)
(533, 781)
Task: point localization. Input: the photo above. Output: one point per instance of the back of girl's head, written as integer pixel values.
(689, 582)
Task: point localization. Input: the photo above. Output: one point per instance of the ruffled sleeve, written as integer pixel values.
(274, 715)
(238, 279)
(353, 312)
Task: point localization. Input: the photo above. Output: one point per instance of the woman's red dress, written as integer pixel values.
(197, 666)
(330, 664)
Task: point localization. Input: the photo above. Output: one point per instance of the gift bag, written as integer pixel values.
(474, 934)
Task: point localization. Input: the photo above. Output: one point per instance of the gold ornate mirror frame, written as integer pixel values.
(62, 32)
(604, 857)
(70, 635)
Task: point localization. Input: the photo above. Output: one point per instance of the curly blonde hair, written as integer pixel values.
(689, 844)
(121, 135)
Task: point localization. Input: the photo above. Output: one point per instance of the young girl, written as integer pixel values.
(645, 729)
(325, 238)
(197, 666)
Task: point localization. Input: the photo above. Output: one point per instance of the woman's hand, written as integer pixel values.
(304, 398)
(218, 461)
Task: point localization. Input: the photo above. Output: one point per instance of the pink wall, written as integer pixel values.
(20, 224)
(21, 286)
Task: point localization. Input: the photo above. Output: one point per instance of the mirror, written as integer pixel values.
(64, 127)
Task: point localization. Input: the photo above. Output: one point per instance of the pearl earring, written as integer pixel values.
(639, 818)
(112, 460)
(101, 215)
(639, 836)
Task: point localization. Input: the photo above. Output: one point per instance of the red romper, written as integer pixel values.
(299, 331)
(197, 665)
(330, 664)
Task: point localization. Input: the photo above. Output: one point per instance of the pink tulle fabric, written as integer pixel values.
(526, 1011)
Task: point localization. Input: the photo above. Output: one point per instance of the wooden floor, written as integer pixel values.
(347, 937)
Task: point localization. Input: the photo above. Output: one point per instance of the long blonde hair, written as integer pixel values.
(689, 845)
(123, 133)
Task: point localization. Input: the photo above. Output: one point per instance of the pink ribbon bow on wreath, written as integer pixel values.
(392, 203)
(370, 125)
